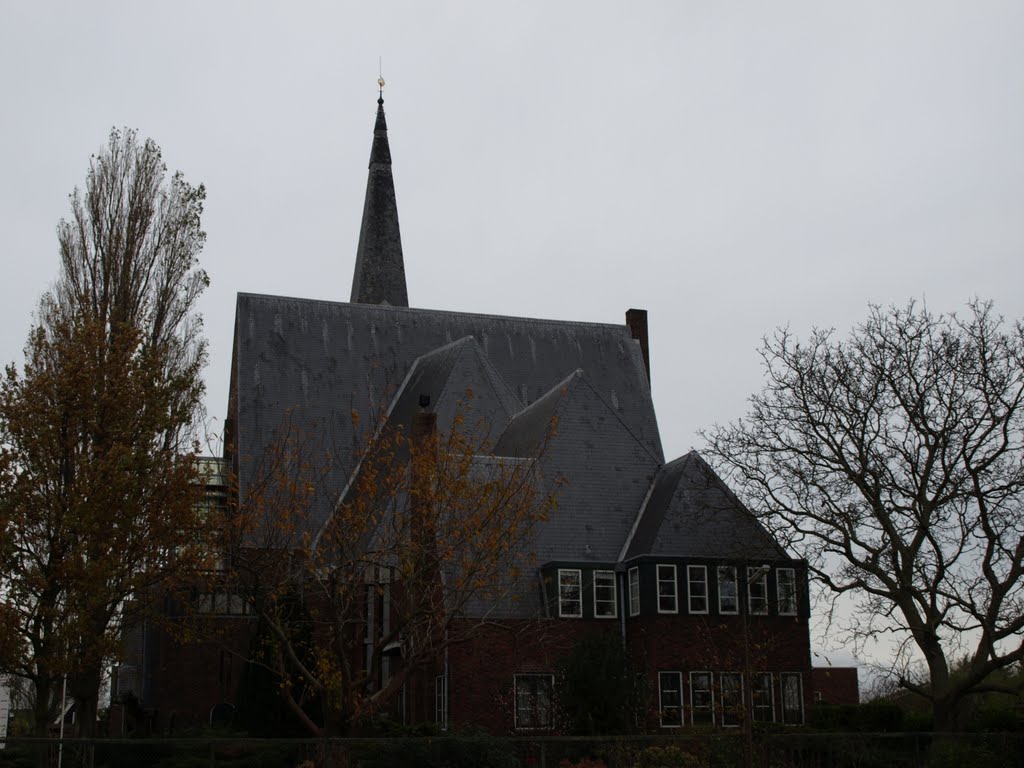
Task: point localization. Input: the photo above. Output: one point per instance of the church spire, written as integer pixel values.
(380, 270)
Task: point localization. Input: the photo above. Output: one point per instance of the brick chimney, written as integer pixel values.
(636, 319)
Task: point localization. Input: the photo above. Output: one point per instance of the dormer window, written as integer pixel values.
(728, 599)
(604, 595)
(570, 594)
(634, 591)
(757, 590)
(667, 589)
(786, 582)
(697, 578)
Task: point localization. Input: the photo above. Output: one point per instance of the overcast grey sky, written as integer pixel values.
(729, 166)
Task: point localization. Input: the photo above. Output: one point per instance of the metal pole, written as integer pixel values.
(63, 704)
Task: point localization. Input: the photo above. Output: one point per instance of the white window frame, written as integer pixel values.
(550, 714)
(754, 706)
(613, 602)
(634, 591)
(760, 608)
(675, 587)
(562, 601)
(800, 696)
(441, 701)
(788, 605)
(722, 582)
(690, 581)
(677, 721)
(737, 712)
(710, 708)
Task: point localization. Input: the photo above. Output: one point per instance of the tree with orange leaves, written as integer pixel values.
(430, 535)
(98, 491)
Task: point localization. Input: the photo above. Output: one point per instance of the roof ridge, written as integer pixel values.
(611, 410)
(391, 308)
(664, 468)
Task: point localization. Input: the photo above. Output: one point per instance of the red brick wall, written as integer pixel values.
(835, 685)
(482, 670)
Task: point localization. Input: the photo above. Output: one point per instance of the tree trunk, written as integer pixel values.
(85, 688)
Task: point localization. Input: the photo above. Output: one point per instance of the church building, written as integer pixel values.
(654, 551)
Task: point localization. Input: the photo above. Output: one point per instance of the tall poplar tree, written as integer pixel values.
(98, 482)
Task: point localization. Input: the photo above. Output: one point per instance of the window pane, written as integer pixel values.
(698, 582)
(702, 699)
(757, 590)
(727, 595)
(667, 589)
(732, 698)
(441, 701)
(604, 595)
(570, 601)
(787, 591)
(670, 699)
(792, 699)
(761, 692)
(634, 591)
(533, 701)
(220, 603)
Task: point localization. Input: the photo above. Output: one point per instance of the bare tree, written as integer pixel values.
(97, 432)
(894, 462)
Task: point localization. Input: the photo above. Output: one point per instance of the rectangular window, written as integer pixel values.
(670, 699)
(634, 591)
(702, 699)
(570, 598)
(731, 687)
(441, 701)
(533, 701)
(728, 600)
(786, 582)
(792, 699)
(697, 580)
(604, 595)
(224, 604)
(757, 590)
(667, 589)
(762, 699)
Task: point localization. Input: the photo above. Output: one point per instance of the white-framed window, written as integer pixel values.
(670, 699)
(533, 701)
(702, 699)
(730, 684)
(667, 602)
(762, 698)
(570, 593)
(441, 701)
(785, 580)
(697, 584)
(222, 603)
(634, 591)
(792, 698)
(728, 597)
(757, 590)
(605, 600)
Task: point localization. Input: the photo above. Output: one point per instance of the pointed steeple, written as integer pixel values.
(380, 270)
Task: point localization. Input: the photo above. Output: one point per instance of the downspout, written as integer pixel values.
(620, 573)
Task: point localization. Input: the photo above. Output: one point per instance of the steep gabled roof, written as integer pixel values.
(690, 512)
(321, 362)
(598, 469)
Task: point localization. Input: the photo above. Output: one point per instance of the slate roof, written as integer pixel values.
(380, 267)
(690, 512)
(320, 362)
